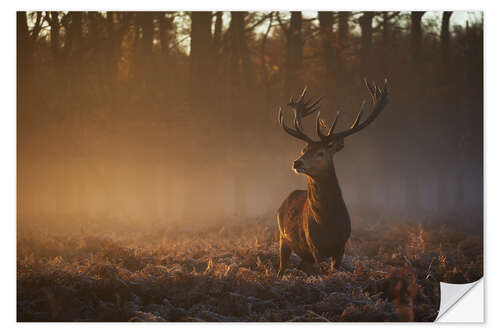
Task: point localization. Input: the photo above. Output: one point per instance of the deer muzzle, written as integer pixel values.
(298, 166)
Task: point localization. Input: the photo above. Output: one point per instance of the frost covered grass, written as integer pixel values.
(390, 272)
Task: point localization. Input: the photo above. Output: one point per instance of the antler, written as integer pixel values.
(300, 109)
(297, 132)
(303, 109)
(380, 98)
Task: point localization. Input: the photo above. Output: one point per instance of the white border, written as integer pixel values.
(7, 143)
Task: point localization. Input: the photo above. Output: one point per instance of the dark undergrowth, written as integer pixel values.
(228, 273)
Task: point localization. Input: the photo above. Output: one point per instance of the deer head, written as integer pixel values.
(316, 159)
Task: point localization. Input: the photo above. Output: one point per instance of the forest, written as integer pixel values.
(133, 115)
(143, 138)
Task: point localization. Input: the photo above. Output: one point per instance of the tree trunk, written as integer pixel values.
(145, 61)
(445, 42)
(54, 35)
(416, 39)
(386, 29)
(23, 67)
(263, 62)
(113, 46)
(237, 42)
(25, 43)
(200, 57)
(166, 26)
(117, 26)
(328, 47)
(293, 63)
(94, 30)
(201, 100)
(342, 46)
(218, 35)
(343, 29)
(146, 24)
(365, 22)
(74, 42)
(236, 30)
(247, 66)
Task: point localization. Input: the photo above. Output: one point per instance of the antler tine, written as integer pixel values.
(300, 99)
(311, 108)
(295, 133)
(358, 118)
(319, 123)
(373, 90)
(302, 108)
(369, 86)
(303, 94)
(330, 132)
(298, 124)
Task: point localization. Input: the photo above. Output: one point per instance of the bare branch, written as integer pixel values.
(283, 27)
(259, 22)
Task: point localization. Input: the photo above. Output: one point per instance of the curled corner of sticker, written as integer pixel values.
(461, 303)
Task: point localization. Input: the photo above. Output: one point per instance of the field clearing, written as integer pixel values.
(227, 272)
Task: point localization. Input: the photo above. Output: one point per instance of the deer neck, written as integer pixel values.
(324, 197)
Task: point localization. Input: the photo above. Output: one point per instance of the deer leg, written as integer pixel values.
(284, 256)
(306, 266)
(338, 259)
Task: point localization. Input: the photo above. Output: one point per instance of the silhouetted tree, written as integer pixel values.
(218, 36)
(117, 24)
(94, 30)
(55, 27)
(166, 27)
(265, 79)
(145, 20)
(294, 48)
(343, 28)
(237, 49)
(242, 74)
(73, 46)
(26, 41)
(328, 48)
(416, 38)
(215, 77)
(200, 58)
(387, 27)
(24, 45)
(236, 31)
(365, 22)
(445, 41)
(201, 99)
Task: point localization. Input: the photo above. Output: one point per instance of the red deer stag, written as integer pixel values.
(315, 223)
